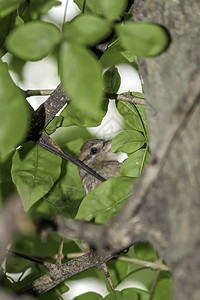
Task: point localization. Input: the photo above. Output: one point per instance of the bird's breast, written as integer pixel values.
(107, 170)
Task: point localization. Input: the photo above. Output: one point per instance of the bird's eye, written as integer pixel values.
(93, 151)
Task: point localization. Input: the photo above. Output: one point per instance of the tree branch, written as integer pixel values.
(12, 220)
(60, 272)
(46, 112)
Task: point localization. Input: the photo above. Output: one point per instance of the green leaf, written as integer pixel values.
(34, 40)
(17, 264)
(112, 80)
(82, 79)
(112, 56)
(163, 290)
(6, 185)
(137, 95)
(7, 7)
(128, 141)
(134, 115)
(86, 30)
(89, 6)
(37, 8)
(54, 124)
(127, 294)
(17, 65)
(6, 25)
(144, 39)
(74, 116)
(135, 164)
(118, 271)
(113, 9)
(105, 200)
(65, 196)
(34, 171)
(14, 113)
(145, 251)
(89, 296)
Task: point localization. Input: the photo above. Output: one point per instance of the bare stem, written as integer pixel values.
(157, 265)
(30, 93)
(154, 284)
(112, 96)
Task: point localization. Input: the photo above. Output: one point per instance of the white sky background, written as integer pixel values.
(44, 75)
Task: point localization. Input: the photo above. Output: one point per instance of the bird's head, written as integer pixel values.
(96, 151)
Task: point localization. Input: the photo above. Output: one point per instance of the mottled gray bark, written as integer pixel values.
(173, 207)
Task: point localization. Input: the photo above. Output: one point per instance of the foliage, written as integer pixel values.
(46, 184)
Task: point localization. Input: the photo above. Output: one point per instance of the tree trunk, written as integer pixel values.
(173, 206)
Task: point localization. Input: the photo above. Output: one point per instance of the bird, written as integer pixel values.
(97, 154)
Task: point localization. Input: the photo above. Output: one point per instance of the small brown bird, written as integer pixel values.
(96, 153)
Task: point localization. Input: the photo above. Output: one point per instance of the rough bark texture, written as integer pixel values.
(173, 207)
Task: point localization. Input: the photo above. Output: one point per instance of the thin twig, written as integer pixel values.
(30, 93)
(154, 284)
(60, 253)
(125, 97)
(108, 277)
(157, 265)
(119, 97)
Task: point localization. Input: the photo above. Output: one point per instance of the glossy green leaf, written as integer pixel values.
(113, 9)
(65, 196)
(81, 78)
(144, 39)
(135, 164)
(34, 171)
(34, 40)
(128, 141)
(7, 7)
(134, 115)
(105, 200)
(86, 29)
(163, 290)
(14, 113)
(112, 80)
(73, 115)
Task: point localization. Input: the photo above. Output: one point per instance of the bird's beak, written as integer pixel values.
(107, 146)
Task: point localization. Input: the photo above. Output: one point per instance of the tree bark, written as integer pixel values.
(172, 207)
